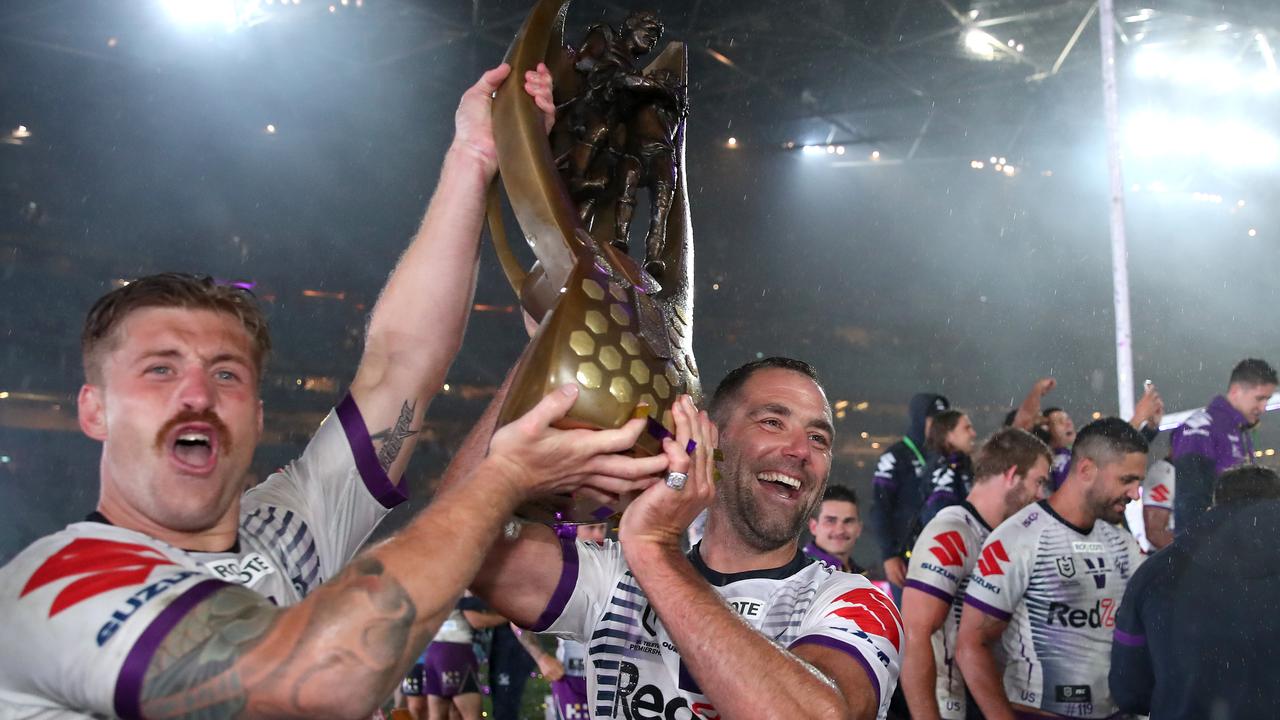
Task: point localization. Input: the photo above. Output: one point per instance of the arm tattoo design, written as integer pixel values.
(236, 655)
(393, 438)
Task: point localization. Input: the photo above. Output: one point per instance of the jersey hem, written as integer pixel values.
(991, 610)
(376, 481)
(845, 648)
(564, 588)
(128, 695)
(930, 590)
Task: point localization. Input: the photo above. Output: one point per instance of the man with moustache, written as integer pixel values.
(744, 625)
(1047, 586)
(167, 601)
(835, 526)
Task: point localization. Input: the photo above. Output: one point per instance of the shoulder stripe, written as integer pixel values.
(931, 590)
(993, 611)
(375, 478)
(128, 695)
(564, 588)
(846, 648)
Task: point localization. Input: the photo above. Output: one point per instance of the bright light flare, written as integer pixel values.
(230, 14)
(1228, 142)
(981, 44)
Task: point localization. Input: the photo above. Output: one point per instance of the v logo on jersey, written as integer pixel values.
(105, 564)
(950, 549)
(1160, 493)
(992, 556)
(873, 613)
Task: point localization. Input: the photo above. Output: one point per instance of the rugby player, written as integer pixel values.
(835, 527)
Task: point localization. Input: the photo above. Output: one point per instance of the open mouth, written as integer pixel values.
(784, 485)
(194, 448)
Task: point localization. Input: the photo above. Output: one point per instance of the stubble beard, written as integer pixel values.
(753, 526)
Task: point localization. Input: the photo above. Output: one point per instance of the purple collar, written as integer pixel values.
(1220, 409)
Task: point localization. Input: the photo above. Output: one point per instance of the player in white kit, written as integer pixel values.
(1040, 608)
(744, 625)
(1011, 469)
(167, 602)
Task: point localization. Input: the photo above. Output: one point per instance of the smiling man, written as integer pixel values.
(743, 625)
(835, 525)
(1047, 585)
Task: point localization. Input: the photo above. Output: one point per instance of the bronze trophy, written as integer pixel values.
(621, 329)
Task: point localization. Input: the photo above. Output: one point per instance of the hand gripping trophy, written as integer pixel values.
(619, 327)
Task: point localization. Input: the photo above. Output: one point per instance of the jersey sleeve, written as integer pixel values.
(1003, 571)
(81, 621)
(851, 615)
(587, 578)
(939, 558)
(1158, 486)
(337, 485)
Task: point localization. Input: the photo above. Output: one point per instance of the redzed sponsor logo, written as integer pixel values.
(1160, 493)
(950, 549)
(105, 565)
(873, 612)
(992, 556)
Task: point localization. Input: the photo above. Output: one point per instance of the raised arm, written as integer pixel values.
(982, 674)
(922, 615)
(417, 324)
(1029, 410)
(341, 651)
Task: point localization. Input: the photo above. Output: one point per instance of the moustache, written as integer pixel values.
(207, 417)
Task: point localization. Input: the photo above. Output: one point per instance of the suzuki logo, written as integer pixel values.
(950, 549)
(992, 556)
(1160, 493)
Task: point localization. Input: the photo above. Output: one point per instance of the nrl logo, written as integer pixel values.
(1067, 567)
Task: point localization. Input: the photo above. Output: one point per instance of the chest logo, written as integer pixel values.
(244, 571)
(749, 608)
(1067, 567)
(102, 566)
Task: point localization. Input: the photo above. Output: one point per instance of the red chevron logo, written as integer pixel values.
(104, 565)
(1160, 493)
(992, 556)
(873, 612)
(950, 549)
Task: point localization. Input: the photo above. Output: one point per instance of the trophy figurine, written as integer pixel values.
(618, 326)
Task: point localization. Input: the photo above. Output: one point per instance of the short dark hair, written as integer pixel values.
(1253, 372)
(942, 425)
(835, 493)
(176, 290)
(1006, 448)
(1102, 440)
(728, 388)
(1244, 483)
(1051, 410)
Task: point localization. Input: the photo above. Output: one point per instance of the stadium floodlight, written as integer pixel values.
(981, 44)
(1223, 142)
(230, 14)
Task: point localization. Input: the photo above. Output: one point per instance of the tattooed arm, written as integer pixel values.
(341, 651)
(416, 327)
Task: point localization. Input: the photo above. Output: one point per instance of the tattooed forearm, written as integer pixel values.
(392, 439)
(340, 652)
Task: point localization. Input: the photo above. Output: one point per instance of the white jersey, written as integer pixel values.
(1158, 487)
(634, 669)
(941, 561)
(573, 656)
(1058, 586)
(82, 611)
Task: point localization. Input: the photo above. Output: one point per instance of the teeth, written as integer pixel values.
(194, 437)
(779, 478)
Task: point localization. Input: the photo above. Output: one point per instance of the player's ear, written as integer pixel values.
(813, 526)
(1010, 477)
(91, 411)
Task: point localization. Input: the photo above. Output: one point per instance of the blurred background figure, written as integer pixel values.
(948, 446)
(836, 526)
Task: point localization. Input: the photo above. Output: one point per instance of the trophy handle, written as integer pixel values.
(511, 267)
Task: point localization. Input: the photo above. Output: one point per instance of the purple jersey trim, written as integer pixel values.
(128, 699)
(375, 478)
(994, 612)
(1125, 638)
(931, 590)
(883, 482)
(564, 588)
(843, 647)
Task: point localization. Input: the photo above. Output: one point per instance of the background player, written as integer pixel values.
(1047, 585)
(1011, 469)
(836, 527)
